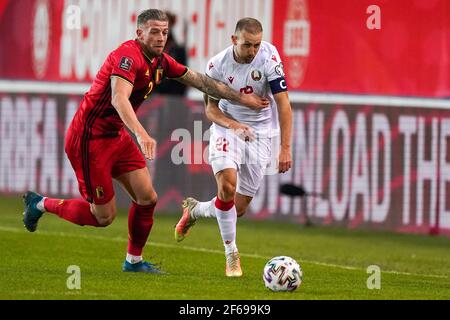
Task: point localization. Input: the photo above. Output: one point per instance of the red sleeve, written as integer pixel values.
(173, 69)
(124, 63)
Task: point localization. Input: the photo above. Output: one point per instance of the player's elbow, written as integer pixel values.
(116, 100)
(213, 113)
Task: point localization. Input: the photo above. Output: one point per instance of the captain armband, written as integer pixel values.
(278, 85)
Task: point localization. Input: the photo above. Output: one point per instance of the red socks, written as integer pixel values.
(140, 222)
(74, 210)
(140, 219)
(222, 205)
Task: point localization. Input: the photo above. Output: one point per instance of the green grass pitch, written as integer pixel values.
(334, 261)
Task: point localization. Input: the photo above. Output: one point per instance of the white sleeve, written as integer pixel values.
(274, 66)
(212, 70)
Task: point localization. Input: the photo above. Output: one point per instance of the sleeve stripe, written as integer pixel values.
(184, 73)
(122, 77)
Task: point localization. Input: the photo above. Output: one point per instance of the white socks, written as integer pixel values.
(226, 217)
(133, 259)
(40, 205)
(205, 209)
(225, 213)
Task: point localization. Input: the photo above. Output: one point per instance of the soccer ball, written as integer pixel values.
(282, 273)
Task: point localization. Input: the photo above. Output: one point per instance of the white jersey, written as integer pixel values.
(258, 77)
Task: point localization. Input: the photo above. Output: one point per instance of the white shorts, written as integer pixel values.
(252, 160)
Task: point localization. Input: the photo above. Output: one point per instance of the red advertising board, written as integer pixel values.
(335, 47)
(394, 48)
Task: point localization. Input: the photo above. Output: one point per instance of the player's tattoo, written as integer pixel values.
(209, 86)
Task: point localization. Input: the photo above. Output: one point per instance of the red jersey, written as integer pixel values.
(96, 116)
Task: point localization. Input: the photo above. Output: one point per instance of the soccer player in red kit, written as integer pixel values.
(101, 149)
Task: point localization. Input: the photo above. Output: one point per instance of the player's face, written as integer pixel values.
(246, 46)
(153, 35)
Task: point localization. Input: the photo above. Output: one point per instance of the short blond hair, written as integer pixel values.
(250, 25)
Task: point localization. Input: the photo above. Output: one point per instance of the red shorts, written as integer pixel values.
(97, 161)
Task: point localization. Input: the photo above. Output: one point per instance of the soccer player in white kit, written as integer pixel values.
(240, 146)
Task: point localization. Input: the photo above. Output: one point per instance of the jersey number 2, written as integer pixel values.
(222, 144)
(247, 90)
(150, 88)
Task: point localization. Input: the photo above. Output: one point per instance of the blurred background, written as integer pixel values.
(369, 85)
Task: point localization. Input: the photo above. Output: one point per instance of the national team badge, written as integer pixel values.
(99, 192)
(125, 63)
(159, 75)
(210, 66)
(256, 75)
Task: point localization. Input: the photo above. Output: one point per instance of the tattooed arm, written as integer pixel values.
(220, 90)
(214, 114)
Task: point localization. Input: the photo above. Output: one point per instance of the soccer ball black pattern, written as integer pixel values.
(282, 273)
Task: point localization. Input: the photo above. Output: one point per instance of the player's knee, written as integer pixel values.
(104, 216)
(150, 198)
(105, 220)
(227, 191)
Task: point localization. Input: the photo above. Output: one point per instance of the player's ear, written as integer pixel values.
(139, 32)
(234, 39)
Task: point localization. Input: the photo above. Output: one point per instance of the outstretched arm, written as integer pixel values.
(220, 90)
(121, 91)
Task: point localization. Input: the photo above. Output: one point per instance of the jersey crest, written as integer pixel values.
(256, 75)
(159, 75)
